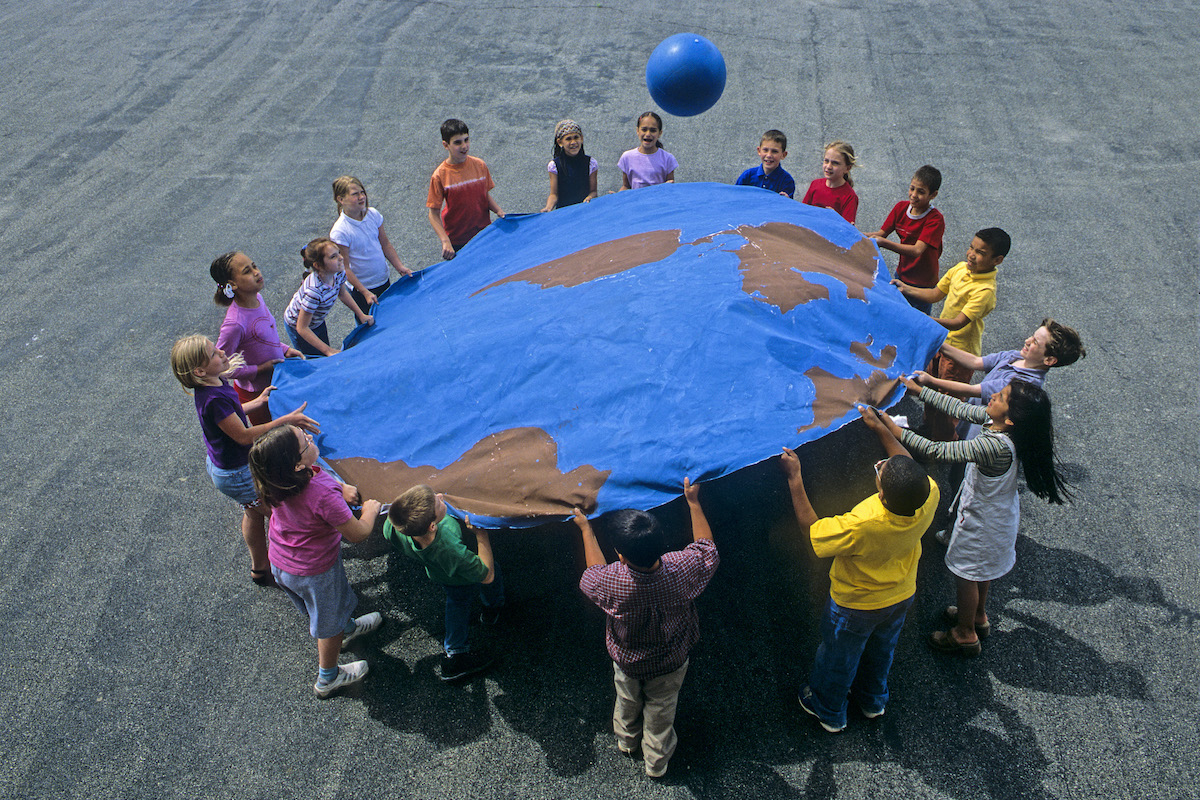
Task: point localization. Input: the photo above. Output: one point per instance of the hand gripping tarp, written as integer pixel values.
(594, 355)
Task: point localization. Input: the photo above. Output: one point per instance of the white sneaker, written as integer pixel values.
(943, 537)
(362, 626)
(350, 673)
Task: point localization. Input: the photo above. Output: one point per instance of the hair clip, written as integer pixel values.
(227, 290)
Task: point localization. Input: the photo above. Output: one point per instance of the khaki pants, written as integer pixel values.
(645, 709)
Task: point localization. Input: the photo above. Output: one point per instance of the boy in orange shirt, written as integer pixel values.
(464, 184)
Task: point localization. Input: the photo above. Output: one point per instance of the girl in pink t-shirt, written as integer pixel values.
(249, 328)
(309, 519)
(835, 188)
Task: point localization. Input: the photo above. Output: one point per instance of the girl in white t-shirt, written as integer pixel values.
(648, 164)
(365, 247)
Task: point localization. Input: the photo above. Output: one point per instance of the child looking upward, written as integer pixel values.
(920, 228)
(772, 149)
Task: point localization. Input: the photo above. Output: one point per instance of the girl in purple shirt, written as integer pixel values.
(249, 328)
(200, 365)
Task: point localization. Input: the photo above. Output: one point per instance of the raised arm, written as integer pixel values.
(700, 526)
(930, 295)
(592, 553)
(806, 517)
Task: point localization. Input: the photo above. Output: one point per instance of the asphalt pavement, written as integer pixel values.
(139, 140)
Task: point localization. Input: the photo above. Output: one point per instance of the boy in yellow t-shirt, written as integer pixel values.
(875, 548)
(969, 288)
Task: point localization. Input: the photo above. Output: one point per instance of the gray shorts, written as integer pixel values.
(326, 598)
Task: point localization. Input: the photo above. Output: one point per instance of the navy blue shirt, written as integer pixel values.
(777, 181)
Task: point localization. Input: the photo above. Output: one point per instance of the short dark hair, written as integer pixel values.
(1065, 344)
(930, 177)
(774, 136)
(997, 240)
(453, 127)
(905, 485)
(414, 511)
(637, 536)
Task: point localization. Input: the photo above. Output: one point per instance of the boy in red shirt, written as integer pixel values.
(920, 227)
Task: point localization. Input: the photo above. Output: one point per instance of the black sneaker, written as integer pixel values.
(463, 665)
(490, 615)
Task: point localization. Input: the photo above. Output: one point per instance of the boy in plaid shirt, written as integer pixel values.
(648, 596)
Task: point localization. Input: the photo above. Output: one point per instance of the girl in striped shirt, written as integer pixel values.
(1018, 428)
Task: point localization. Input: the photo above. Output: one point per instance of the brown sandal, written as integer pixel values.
(944, 642)
(951, 616)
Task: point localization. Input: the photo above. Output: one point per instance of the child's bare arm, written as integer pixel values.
(700, 526)
(435, 222)
(233, 427)
(956, 388)
(592, 553)
(962, 357)
(925, 295)
(391, 255)
(670, 177)
(494, 206)
(304, 328)
(954, 323)
(356, 530)
(593, 191)
(352, 279)
(805, 515)
(483, 544)
(552, 199)
(359, 314)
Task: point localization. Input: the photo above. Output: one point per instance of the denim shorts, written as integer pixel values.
(327, 598)
(234, 483)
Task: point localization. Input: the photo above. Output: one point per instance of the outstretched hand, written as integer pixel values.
(691, 491)
(301, 420)
(913, 383)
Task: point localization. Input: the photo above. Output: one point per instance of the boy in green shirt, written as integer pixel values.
(419, 527)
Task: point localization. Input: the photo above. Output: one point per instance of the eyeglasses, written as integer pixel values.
(879, 467)
(307, 441)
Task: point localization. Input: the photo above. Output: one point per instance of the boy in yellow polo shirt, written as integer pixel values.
(875, 548)
(969, 288)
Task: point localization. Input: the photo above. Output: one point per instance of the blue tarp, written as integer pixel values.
(597, 354)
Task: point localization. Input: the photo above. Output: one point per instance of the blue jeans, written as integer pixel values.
(854, 658)
(458, 609)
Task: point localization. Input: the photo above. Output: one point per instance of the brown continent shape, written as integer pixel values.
(773, 251)
(597, 261)
(887, 356)
(836, 396)
(513, 473)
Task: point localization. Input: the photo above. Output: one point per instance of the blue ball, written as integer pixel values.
(685, 74)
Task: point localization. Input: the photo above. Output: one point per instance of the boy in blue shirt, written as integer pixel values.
(419, 527)
(772, 149)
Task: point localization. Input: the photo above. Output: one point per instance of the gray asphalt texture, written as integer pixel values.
(142, 139)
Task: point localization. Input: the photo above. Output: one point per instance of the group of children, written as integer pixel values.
(295, 515)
